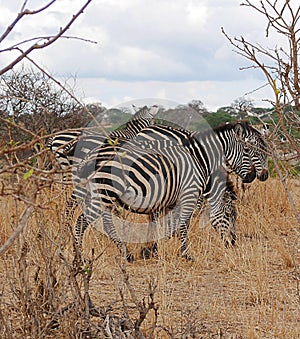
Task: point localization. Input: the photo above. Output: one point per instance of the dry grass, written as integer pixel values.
(249, 291)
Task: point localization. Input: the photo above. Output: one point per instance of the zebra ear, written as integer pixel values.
(239, 129)
(135, 108)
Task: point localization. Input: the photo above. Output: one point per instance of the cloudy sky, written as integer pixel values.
(167, 49)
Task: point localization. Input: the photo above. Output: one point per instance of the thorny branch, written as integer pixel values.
(45, 38)
(69, 93)
(288, 92)
(284, 20)
(142, 306)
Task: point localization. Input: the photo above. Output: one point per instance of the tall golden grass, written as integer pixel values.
(246, 291)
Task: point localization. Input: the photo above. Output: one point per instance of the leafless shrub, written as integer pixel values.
(31, 101)
(280, 66)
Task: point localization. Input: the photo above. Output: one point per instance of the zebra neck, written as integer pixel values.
(208, 146)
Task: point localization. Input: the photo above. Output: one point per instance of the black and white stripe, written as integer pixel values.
(244, 148)
(219, 191)
(197, 157)
(221, 197)
(71, 146)
(144, 180)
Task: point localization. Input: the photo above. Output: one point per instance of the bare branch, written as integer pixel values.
(281, 69)
(67, 91)
(21, 226)
(20, 15)
(15, 47)
(288, 193)
(46, 42)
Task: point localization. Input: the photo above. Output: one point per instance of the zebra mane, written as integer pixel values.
(247, 128)
(230, 189)
(144, 113)
(229, 126)
(219, 129)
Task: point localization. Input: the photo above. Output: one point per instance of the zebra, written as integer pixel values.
(215, 222)
(130, 176)
(71, 146)
(203, 155)
(221, 197)
(251, 139)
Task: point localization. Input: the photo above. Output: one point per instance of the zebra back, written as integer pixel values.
(141, 119)
(72, 146)
(242, 146)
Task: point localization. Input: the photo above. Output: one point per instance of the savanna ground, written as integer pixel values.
(248, 291)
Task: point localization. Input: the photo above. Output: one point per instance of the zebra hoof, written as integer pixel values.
(129, 257)
(233, 242)
(187, 257)
(146, 253)
(149, 252)
(229, 239)
(230, 243)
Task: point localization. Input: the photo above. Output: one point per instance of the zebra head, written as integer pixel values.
(245, 151)
(228, 215)
(255, 147)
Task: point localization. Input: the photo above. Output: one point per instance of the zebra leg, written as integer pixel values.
(186, 211)
(169, 229)
(151, 249)
(225, 224)
(71, 205)
(172, 220)
(201, 203)
(83, 223)
(110, 230)
(184, 241)
(80, 227)
(223, 216)
(80, 196)
(230, 214)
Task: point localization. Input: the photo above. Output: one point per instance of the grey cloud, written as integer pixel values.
(157, 40)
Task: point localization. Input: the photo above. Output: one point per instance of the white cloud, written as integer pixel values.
(171, 49)
(196, 13)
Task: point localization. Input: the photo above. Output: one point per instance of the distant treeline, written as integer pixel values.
(32, 104)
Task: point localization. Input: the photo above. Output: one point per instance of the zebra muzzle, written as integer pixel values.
(250, 176)
(263, 175)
